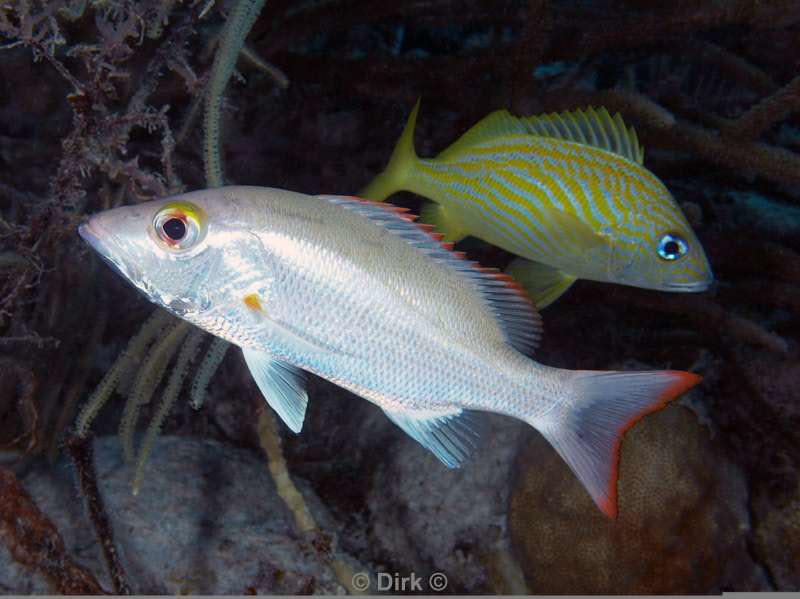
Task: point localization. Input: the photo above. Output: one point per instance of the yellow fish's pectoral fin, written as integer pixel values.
(443, 221)
(543, 283)
(576, 238)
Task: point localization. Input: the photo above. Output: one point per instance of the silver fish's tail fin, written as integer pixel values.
(395, 176)
(587, 431)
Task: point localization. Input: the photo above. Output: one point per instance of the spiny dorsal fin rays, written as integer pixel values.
(515, 312)
(593, 127)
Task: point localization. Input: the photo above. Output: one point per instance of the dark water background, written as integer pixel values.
(709, 491)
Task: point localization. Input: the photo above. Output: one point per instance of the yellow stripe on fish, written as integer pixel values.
(567, 193)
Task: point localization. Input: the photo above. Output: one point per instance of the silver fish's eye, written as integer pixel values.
(176, 230)
(672, 246)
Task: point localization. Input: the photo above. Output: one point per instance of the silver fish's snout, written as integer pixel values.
(90, 235)
(101, 242)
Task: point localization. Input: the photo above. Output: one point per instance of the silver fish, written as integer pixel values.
(358, 294)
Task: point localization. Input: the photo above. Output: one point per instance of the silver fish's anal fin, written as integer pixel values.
(508, 302)
(451, 436)
(282, 385)
(543, 283)
(587, 431)
(437, 215)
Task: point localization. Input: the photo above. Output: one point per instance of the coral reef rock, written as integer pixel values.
(681, 527)
(207, 520)
(426, 518)
(777, 537)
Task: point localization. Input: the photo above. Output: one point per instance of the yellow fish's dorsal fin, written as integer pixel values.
(593, 127)
(493, 125)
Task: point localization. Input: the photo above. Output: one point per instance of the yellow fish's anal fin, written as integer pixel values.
(443, 221)
(591, 127)
(543, 283)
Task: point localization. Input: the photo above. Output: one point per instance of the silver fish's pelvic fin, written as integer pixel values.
(281, 384)
(450, 436)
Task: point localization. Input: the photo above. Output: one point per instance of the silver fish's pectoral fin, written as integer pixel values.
(438, 216)
(543, 283)
(451, 436)
(282, 385)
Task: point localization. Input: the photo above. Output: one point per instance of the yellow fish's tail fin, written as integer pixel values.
(543, 283)
(444, 222)
(587, 429)
(394, 176)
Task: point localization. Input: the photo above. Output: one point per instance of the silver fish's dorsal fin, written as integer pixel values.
(282, 385)
(592, 127)
(507, 301)
(451, 436)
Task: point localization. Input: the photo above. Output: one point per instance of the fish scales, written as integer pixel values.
(566, 193)
(356, 293)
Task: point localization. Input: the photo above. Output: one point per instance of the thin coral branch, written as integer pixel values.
(35, 542)
(26, 387)
(188, 353)
(80, 374)
(147, 379)
(278, 76)
(82, 455)
(607, 33)
(208, 367)
(766, 113)
(705, 314)
(132, 353)
(237, 25)
(741, 157)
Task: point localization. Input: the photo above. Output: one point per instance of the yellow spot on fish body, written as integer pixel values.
(252, 301)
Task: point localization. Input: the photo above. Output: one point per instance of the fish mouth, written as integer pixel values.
(96, 237)
(693, 287)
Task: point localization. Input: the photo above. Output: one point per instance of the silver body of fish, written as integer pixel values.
(358, 294)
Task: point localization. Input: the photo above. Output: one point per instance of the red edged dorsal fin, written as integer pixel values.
(514, 311)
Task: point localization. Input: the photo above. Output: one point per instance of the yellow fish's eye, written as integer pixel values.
(180, 225)
(672, 246)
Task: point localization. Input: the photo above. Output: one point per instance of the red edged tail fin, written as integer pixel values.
(587, 430)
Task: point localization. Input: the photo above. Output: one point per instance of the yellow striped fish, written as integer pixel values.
(567, 193)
